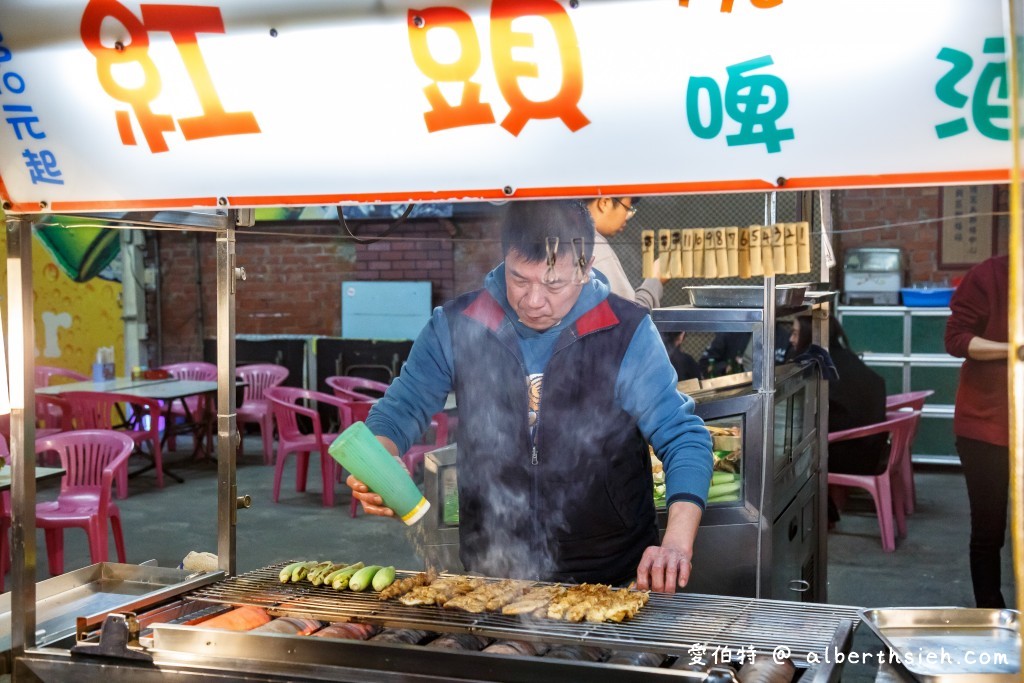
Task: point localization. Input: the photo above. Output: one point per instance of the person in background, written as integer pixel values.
(686, 367)
(610, 215)
(561, 387)
(724, 355)
(856, 399)
(977, 330)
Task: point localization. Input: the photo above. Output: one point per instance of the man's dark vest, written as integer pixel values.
(582, 509)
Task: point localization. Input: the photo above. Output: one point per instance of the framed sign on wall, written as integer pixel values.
(968, 228)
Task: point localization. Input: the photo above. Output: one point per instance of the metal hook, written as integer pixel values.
(552, 250)
(580, 273)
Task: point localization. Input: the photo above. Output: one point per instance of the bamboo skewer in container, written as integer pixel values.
(710, 258)
(743, 252)
(698, 252)
(687, 253)
(664, 252)
(676, 256)
(647, 253)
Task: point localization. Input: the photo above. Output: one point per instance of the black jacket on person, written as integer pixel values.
(575, 504)
(686, 367)
(856, 399)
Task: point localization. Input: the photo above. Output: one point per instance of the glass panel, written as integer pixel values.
(927, 334)
(874, 333)
(727, 478)
(942, 380)
(797, 415)
(934, 437)
(893, 376)
(727, 445)
(450, 495)
(780, 453)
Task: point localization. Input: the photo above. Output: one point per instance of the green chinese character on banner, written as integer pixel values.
(990, 102)
(755, 101)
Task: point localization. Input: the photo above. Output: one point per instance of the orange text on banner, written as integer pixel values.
(183, 22)
(470, 111)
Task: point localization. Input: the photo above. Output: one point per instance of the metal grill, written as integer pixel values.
(669, 624)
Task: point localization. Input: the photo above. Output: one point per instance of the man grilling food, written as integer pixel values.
(561, 386)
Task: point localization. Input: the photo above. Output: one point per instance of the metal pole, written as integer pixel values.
(227, 431)
(1015, 361)
(133, 300)
(21, 373)
(763, 343)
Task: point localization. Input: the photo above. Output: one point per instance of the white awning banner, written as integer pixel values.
(112, 105)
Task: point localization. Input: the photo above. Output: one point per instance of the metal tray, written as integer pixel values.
(745, 296)
(86, 595)
(951, 644)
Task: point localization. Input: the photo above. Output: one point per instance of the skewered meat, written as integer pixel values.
(403, 586)
(535, 601)
(441, 591)
(489, 597)
(596, 603)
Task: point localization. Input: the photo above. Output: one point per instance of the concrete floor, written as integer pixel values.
(929, 566)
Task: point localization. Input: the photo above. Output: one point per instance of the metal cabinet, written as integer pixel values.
(905, 345)
(771, 542)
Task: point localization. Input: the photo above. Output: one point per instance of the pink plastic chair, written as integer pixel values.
(886, 489)
(255, 408)
(53, 415)
(192, 370)
(91, 459)
(100, 409)
(45, 374)
(288, 403)
(913, 400)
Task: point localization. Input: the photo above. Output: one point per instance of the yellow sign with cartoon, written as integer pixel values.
(77, 288)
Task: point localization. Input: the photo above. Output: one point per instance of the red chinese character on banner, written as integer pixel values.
(508, 70)
(184, 23)
(727, 4)
(470, 110)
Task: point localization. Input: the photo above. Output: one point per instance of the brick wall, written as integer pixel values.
(293, 279)
(912, 216)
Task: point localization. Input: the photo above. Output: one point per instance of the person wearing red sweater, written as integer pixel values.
(977, 330)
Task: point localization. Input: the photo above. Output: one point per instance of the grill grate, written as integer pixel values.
(670, 624)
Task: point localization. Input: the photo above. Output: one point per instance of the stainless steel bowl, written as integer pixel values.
(732, 296)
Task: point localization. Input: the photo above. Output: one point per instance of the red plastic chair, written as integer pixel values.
(886, 489)
(45, 373)
(191, 370)
(913, 400)
(103, 410)
(288, 403)
(255, 408)
(91, 459)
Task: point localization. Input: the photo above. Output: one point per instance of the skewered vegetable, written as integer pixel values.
(384, 578)
(343, 577)
(362, 578)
